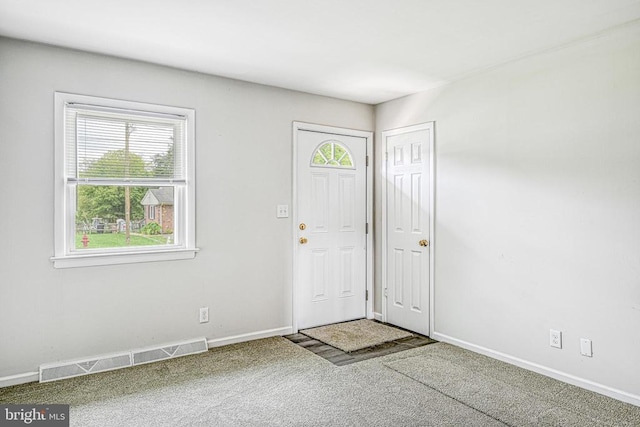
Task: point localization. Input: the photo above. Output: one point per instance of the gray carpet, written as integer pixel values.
(273, 382)
(510, 394)
(356, 335)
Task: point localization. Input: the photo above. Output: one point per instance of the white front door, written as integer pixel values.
(408, 227)
(331, 198)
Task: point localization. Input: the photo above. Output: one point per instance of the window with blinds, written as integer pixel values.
(124, 174)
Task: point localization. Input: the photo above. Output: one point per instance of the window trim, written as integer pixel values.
(64, 218)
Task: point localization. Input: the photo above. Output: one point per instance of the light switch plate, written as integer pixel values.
(283, 211)
(585, 347)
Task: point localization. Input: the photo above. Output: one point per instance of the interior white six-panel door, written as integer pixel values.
(408, 230)
(331, 199)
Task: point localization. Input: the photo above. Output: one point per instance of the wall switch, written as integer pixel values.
(555, 338)
(283, 211)
(204, 314)
(585, 347)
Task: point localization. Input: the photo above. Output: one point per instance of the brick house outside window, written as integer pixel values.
(158, 208)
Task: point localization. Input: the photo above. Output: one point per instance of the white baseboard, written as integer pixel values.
(550, 372)
(27, 377)
(219, 342)
(377, 316)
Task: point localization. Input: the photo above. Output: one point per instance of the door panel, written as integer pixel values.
(347, 202)
(417, 267)
(320, 274)
(331, 202)
(320, 202)
(398, 275)
(408, 219)
(346, 272)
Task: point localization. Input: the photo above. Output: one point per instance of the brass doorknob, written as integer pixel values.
(303, 240)
(423, 243)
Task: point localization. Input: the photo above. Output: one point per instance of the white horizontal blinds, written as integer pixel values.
(119, 145)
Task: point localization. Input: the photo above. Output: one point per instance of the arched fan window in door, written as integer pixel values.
(332, 154)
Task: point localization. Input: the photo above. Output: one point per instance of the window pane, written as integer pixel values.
(117, 146)
(332, 154)
(101, 215)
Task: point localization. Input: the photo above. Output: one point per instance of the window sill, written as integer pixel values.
(90, 260)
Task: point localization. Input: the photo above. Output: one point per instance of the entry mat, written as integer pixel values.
(342, 358)
(356, 335)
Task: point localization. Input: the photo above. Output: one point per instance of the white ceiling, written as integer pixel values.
(363, 50)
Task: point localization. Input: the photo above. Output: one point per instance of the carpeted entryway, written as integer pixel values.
(356, 335)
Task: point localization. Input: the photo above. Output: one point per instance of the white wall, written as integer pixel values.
(538, 206)
(243, 170)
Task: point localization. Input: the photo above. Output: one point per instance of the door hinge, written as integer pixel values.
(386, 292)
(366, 295)
(386, 156)
(366, 228)
(367, 161)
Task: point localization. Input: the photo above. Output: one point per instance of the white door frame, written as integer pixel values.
(429, 126)
(297, 126)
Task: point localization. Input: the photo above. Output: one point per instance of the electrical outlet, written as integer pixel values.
(204, 314)
(555, 338)
(585, 347)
